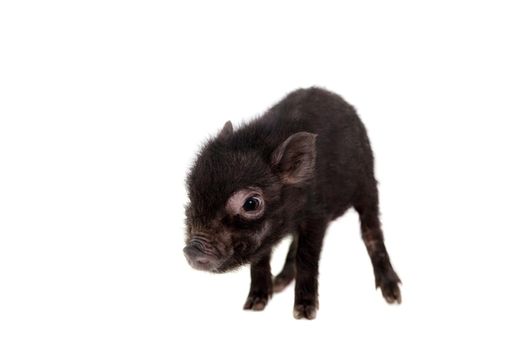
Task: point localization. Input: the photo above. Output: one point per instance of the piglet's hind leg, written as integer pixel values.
(385, 276)
(287, 275)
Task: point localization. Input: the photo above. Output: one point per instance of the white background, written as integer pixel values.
(103, 105)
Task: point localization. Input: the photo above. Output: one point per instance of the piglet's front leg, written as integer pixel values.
(307, 270)
(261, 285)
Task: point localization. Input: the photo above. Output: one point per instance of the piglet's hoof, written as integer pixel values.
(256, 302)
(307, 311)
(391, 292)
(389, 284)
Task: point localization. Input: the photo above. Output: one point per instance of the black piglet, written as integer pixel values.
(291, 171)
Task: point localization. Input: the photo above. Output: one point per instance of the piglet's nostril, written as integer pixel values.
(199, 259)
(202, 260)
(192, 252)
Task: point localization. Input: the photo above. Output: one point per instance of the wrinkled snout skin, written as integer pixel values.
(200, 256)
(290, 172)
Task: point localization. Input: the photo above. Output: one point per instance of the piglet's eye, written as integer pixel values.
(246, 202)
(251, 204)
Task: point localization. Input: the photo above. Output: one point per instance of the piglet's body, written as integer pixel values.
(289, 172)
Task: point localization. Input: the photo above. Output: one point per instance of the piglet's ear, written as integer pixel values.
(226, 131)
(294, 159)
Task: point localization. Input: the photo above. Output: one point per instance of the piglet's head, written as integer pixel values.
(237, 202)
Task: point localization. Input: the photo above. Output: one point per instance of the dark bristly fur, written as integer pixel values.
(303, 163)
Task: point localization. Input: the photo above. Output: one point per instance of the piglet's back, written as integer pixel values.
(344, 160)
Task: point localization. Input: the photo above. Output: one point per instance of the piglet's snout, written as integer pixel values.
(199, 257)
